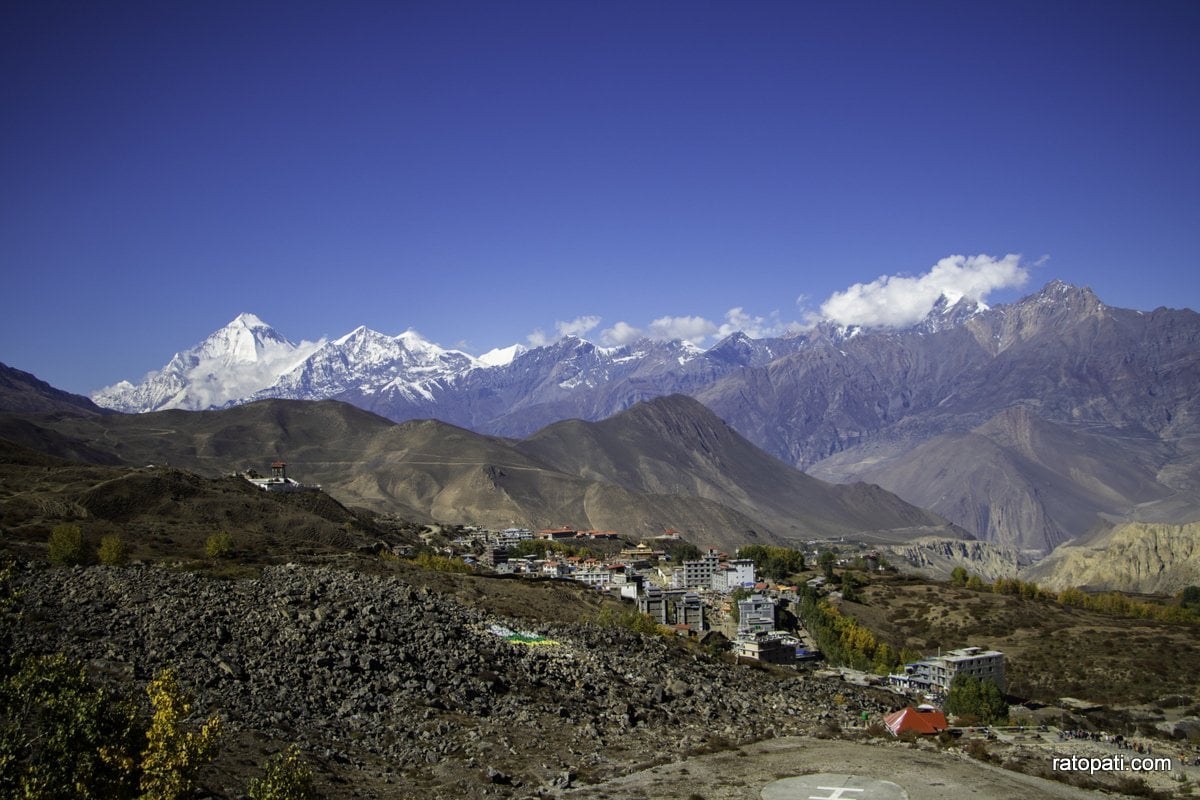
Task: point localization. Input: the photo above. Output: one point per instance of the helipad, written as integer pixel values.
(832, 786)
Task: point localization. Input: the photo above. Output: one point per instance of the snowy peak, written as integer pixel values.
(247, 320)
(950, 311)
(502, 356)
(232, 363)
(365, 362)
(247, 339)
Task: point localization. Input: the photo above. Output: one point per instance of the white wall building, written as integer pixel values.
(934, 674)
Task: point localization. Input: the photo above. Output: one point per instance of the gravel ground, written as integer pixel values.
(741, 774)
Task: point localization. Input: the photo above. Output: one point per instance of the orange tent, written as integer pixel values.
(925, 719)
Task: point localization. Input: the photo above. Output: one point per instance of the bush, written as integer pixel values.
(113, 551)
(443, 564)
(285, 777)
(172, 756)
(62, 737)
(66, 545)
(219, 545)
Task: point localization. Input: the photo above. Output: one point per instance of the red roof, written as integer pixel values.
(924, 720)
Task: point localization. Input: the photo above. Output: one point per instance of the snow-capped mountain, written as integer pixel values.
(233, 363)
(1019, 423)
(364, 363)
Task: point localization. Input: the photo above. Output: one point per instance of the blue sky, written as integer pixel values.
(483, 172)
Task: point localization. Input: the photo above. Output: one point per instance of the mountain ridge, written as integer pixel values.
(883, 405)
(431, 471)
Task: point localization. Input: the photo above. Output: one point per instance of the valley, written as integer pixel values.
(535, 587)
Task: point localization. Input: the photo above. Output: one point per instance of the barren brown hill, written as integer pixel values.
(161, 512)
(430, 471)
(1051, 650)
(22, 392)
(675, 445)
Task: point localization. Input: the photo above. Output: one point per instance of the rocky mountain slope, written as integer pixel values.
(394, 690)
(22, 392)
(1133, 557)
(674, 445)
(1022, 424)
(1003, 420)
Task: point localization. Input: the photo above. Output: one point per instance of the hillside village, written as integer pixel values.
(713, 597)
(721, 599)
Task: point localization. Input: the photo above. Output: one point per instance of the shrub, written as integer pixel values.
(173, 756)
(66, 545)
(285, 777)
(443, 564)
(219, 545)
(62, 737)
(113, 551)
(633, 620)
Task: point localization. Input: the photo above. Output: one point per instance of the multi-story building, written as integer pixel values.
(756, 613)
(689, 610)
(699, 573)
(933, 675)
(511, 536)
(733, 574)
(598, 576)
(653, 601)
(769, 648)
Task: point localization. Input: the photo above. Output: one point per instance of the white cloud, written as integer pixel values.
(692, 329)
(580, 326)
(897, 301)
(620, 334)
(736, 319)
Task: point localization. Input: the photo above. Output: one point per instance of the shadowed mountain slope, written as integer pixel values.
(22, 392)
(675, 445)
(431, 471)
(1024, 424)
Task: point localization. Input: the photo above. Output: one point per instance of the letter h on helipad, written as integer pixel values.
(837, 792)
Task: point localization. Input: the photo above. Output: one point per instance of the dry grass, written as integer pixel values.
(1052, 650)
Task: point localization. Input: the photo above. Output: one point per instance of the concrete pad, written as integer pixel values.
(832, 786)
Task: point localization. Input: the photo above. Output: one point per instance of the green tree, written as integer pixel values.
(849, 588)
(770, 561)
(959, 576)
(113, 551)
(62, 737)
(173, 756)
(66, 545)
(826, 561)
(684, 551)
(971, 698)
(1189, 597)
(285, 777)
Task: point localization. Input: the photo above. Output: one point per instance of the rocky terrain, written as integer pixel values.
(395, 689)
(936, 558)
(1135, 557)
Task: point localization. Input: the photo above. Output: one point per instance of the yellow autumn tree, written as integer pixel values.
(173, 756)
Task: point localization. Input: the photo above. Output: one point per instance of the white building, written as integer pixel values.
(770, 648)
(511, 536)
(600, 577)
(734, 574)
(933, 675)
